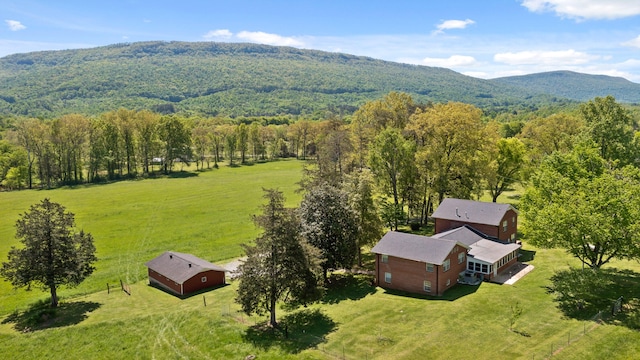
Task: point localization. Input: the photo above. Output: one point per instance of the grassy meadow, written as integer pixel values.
(209, 215)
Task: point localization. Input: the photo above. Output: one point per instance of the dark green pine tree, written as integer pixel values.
(281, 264)
(53, 255)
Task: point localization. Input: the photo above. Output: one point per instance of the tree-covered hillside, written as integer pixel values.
(576, 86)
(228, 79)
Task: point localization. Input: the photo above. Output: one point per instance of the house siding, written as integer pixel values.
(409, 275)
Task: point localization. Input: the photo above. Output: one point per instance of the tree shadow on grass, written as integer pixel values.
(296, 331)
(40, 315)
(590, 295)
(347, 287)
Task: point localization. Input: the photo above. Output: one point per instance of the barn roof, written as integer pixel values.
(415, 247)
(469, 211)
(180, 267)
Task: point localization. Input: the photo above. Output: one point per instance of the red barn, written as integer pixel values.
(184, 274)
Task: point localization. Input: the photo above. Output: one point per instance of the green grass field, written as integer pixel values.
(209, 215)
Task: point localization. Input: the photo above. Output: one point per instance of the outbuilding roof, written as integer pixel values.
(469, 211)
(415, 247)
(180, 267)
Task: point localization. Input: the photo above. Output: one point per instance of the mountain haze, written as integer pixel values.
(227, 79)
(576, 86)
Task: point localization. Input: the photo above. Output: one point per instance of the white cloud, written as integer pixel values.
(633, 43)
(556, 58)
(450, 62)
(269, 39)
(218, 34)
(453, 24)
(586, 9)
(15, 25)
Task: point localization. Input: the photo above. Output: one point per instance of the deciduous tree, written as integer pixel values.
(578, 203)
(53, 254)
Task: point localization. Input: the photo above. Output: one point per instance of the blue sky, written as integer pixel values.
(481, 38)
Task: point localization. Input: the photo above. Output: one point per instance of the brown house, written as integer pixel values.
(418, 264)
(183, 274)
(498, 221)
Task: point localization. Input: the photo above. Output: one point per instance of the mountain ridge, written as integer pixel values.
(232, 79)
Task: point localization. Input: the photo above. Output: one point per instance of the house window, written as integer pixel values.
(513, 237)
(460, 257)
(385, 258)
(513, 219)
(427, 286)
(446, 265)
(478, 267)
(505, 224)
(470, 265)
(203, 279)
(484, 268)
(429, 267)
(448, 282)
(387, 277)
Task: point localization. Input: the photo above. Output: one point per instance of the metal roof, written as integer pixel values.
(469, 211)
(180, 267)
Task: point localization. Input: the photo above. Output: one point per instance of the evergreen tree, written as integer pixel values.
(53, 255)
(281, 265)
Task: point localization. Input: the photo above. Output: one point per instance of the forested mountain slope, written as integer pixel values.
(229, 79)
(576, 86)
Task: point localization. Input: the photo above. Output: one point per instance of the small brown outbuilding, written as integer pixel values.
(184, 274)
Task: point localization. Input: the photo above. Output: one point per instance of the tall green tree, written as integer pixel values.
(359, 187)
(505, 167)
(176, 138)
(242, 136)
(331, 225)
(611, 127)
(280, 265)
(578, 203)
(393, 110)
(451, 137)
(53, 254)
(391, 159)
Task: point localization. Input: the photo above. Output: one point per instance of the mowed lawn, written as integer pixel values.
(211, 214)
(208, 215)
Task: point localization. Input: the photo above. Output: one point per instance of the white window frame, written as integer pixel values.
(461, 257)
(203, 279)
(446, 265)
(387, 277)
(430, 267)
(505, 225)
(385, 259)
(426, 286)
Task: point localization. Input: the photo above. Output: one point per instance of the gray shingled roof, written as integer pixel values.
(491, 251)
(476, 212)
(463, 234)
(415, 247)
(180, 267)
